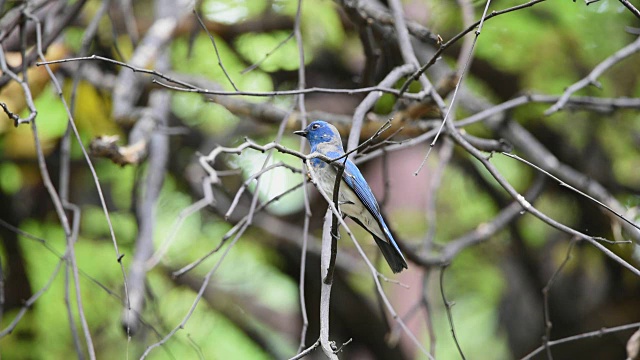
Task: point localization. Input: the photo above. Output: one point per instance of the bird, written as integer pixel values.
(356, 200)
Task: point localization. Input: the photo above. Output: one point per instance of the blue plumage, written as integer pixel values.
(356, 198)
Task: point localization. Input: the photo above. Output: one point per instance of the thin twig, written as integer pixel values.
(592, 78)
(369, 101)
(302, 84)
(186, 87)
(215, 47)
(186, 318)
(448, 305)
(9, 329)
(587, 335)
(605, 105)
(237, 230)
(631, 8)
(563, 184)
(461, 75)
(253, 177)
(453, 40)
(184, 214)
(526, 206)
(545, 296)
(268, 54)
(53, 194)
(432, 194)
(306, 351)
(309, 90)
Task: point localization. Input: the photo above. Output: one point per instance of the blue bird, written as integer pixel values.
(356, 199)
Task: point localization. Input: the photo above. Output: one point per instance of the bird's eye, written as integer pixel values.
(315, 126)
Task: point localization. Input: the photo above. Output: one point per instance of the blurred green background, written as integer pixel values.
(251, 309)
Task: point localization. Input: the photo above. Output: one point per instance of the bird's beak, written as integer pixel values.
(301, 132)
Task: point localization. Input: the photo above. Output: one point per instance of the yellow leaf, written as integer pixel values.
(13, 95)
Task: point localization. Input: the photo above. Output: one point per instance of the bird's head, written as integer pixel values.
(319, 132)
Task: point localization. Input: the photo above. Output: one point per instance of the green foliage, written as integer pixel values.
(53, 122)
(73, 38)
(276, 181)
(476, 329)
(320, 24)
(232, 11)
(10, 178)
(120, 180)
(211, 118)
(561, 30)
(460, 192)
(41, 264)
(201, 60)
(94, 224)
(259, 47)
(207, 331)
(518, 45)
(624, 149)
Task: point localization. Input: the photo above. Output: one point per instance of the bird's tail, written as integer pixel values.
(392, 255)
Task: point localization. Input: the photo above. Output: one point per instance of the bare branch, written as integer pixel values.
(448, 305)
(588, 103)
(55, 198)
(268, 54)
(370, 100)
(215, 47)
(186, 318)
(453, 40)
(253, 177)
(597, 333)
(445, 155)
(325, 290)
(186, 87)
(631, 8)
(563, 184)
(526, 206)
(545, 294)
(9, 329)
(462, 72)
(537, 153)
(592, 78)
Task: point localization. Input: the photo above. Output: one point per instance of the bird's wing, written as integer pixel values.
(354, 179)
(356, 182)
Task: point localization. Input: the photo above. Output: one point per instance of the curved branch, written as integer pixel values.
(592, 78)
